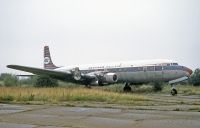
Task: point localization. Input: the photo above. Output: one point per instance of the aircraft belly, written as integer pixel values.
(172, 74)
(149, 76)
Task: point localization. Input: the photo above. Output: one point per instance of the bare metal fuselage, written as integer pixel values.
(150, 76)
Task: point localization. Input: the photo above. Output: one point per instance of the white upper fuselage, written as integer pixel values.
(138, 63)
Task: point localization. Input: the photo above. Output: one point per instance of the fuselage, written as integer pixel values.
(138, 71)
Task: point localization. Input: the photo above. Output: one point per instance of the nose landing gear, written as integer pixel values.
(173, 91)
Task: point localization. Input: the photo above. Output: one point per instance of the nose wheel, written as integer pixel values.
(173, 91)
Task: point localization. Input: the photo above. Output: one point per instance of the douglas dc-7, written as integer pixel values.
(128, 72)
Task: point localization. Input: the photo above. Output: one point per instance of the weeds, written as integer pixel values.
(6, 98)
(109, 94)
(56, 95)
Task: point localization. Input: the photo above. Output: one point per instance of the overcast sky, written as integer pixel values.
(95, 31)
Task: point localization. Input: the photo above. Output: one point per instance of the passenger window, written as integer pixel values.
(135, 69)
(150, 68)
(140, 68)
(158, 68)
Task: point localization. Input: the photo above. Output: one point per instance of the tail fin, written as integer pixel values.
(48, 64)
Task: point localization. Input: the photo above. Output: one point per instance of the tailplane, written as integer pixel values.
(48, 64)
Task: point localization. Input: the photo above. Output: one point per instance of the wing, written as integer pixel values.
(73, 75)
(39, 71)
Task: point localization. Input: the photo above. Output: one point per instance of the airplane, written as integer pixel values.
(128, 72)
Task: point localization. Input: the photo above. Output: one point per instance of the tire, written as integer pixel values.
(127, 89)
(173, 92)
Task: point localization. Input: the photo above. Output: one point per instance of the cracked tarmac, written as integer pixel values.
(57, 116)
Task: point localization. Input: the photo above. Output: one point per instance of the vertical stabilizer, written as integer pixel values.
(48, 64)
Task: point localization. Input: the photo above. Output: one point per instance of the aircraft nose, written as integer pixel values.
(188, 70)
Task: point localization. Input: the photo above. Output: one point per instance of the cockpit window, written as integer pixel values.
(167, 64)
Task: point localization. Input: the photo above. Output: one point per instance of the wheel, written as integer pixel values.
(100, 83)
(173, 92)
(127, 88)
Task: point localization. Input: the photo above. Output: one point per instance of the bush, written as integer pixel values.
(3, 75)
(157, 86)
(6, 98)
(10, 80)
(45, 81)
(28, 81)
(1, 83)
(195, 78)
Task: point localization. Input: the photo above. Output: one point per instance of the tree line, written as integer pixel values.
(10, 80)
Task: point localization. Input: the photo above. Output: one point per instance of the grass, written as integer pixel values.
(183, 89)
(106, 96)
(58, 95)
(135, 89)
(144, 89)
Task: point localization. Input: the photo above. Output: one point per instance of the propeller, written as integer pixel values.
(76, 73)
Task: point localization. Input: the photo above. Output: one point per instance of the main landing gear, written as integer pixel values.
(173, 91)
(127, 88)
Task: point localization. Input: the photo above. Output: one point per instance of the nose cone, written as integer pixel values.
(188, 70)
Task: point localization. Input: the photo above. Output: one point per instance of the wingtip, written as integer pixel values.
(10, 66)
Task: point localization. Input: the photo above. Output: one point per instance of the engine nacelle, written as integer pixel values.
(110, 78)
(105, 78)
